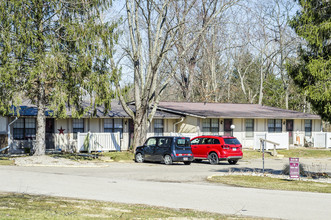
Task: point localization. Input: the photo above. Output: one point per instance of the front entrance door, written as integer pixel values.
(49, 136)
(289, 129)
(227, 127)
(131, 132)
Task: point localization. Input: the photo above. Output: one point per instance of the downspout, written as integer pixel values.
(181, 120)
(9, 140)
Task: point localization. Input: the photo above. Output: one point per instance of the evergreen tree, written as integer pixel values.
(51, 54)
(312, 72)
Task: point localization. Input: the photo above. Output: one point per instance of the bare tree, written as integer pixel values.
(198, 18)
(153, 29)
(286, 40)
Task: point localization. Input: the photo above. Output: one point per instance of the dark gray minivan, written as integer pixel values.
(165, 149)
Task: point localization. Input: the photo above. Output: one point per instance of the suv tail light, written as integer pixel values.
(226, 147)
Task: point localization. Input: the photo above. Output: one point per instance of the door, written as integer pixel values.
(163, 147)
(131, 131)
(289, 129)
(227, 127)
(206, 146)
(149, 149)
(196, 147)
(49, 136)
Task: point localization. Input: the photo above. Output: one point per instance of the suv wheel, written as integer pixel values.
(213, 158)
(167, 159)
(139, 158)
(232, 161)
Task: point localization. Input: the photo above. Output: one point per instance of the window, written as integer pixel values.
(274, 125)
(308, 128)
(249, 127)
(113, 125)
(24, 128)
(216, 141)
(231, 141)
(195, 141)
(210, 125)
(151, 142)
(77, 126)
(158, 127)
(164, 142)
(183, 142)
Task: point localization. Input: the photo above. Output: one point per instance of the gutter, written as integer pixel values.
(9, 140)
(181, 120)
(180, 112)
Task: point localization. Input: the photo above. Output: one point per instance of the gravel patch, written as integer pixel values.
(53, 162)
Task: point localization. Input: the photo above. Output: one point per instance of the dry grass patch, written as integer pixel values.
(119, 156)
(264, 182)
(23, 206)
(306, 153)
(298, 152)
(6, 161)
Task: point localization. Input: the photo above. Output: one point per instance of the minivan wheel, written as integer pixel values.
(139, 158)
(233, 162)
(187, 162)
(213, 158)
(167, 160)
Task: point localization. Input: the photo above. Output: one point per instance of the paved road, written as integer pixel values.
(177, 186)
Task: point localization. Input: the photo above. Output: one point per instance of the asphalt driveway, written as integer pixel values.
(177, 186)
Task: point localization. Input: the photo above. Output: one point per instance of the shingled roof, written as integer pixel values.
(227, 110)
(117, 111)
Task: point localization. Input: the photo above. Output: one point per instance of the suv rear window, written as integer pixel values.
(183, 142)
(231, 141)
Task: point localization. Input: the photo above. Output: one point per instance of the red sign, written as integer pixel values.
(294, 168)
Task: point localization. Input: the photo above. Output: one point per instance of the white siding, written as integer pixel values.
(93, 125)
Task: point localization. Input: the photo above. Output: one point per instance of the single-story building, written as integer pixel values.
(251, 122)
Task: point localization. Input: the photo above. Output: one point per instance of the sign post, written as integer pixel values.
(294, 168)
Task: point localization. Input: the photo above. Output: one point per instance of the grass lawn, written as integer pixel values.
(6, 161)
(272, 183)
(23, 206)
(298, 152)
(119, 156)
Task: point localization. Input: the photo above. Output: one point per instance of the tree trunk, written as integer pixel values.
(261, 86)
(39, 148)
(141, 126)
(286, 97)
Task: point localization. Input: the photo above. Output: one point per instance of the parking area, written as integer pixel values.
(178, 172)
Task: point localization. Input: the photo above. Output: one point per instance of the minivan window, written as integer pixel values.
(231, 141)
(151, 142)
(183, 142)
(164, 142)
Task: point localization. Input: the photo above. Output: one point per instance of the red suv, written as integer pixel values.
(216, 148)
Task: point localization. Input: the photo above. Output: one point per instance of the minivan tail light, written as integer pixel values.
(181, 155)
